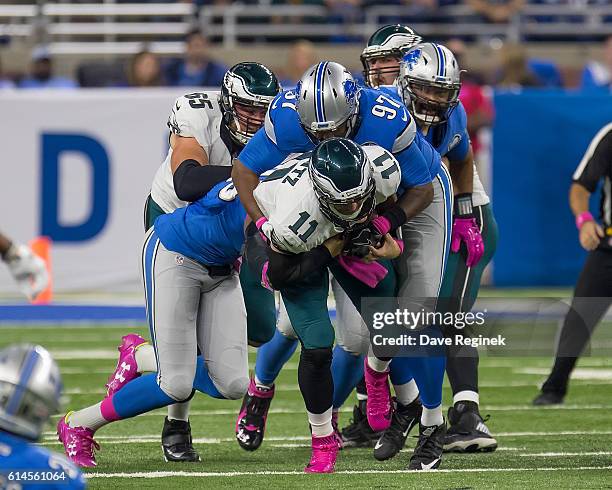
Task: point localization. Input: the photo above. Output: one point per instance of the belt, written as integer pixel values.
(218, 270)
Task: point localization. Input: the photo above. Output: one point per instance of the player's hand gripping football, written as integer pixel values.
(389, 249)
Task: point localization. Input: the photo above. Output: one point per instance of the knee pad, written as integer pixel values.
(177, 388)
(317, 358)
(235, 389)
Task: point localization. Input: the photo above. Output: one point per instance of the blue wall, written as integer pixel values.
(538, 140)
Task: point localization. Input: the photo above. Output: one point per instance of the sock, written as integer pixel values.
(272, 356)
(378, 365)
(140, 395)
(347, 370)
(466, 396)
(179, 411)
(362, 393)
(406, 393)
(315, 379)
(90, 417)
(145, 358)
(261, 385)
(432, 416)
(321, 423)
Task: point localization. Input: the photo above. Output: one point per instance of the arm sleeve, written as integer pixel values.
(415, 163)
(261, 154)
(596, 161)
(193, 181)
(283, 269)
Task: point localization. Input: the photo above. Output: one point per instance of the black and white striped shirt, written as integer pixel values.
(595, 165)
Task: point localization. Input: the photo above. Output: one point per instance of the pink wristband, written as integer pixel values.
(582, 218)
(260, 222)
(382, 224)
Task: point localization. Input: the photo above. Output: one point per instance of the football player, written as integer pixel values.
(327, 103)
(429, 84)
(194, 299)
(383, 53)
(30, 390)
(207, 130)
(28, 269)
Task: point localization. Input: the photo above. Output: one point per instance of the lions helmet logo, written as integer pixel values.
(412, 57)
(350, 89)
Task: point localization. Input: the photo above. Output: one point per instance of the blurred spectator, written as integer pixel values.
(302, 55)
(514, 71)
(144, 70)
(347, 13)
(197, 69)
(497, 11)
(4, 81)
(477, 105)
(598, 74)
(41, 72)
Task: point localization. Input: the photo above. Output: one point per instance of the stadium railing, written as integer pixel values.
(112, 28)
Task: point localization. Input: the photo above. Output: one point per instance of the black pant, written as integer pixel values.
(592, 297)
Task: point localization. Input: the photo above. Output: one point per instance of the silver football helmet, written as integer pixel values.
(429, 82)
(327, 100)
(30, 389)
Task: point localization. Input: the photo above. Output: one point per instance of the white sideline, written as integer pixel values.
(166, 474)
(146, 438)
(551, 455)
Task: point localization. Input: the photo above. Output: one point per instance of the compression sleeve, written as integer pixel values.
(193, 181)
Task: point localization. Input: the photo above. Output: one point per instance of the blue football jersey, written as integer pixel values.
(209, 230)
(382, 120)
(28, 466)
(450, 139)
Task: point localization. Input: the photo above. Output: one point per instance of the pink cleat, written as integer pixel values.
(78, 442)
(127, 368)
(251, 422)
(324, 454)
(378, 407)
(336, 430)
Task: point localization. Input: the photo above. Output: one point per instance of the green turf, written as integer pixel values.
(579, 435)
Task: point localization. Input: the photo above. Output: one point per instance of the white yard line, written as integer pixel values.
(146, 438)
(553, 455)
(167, 474)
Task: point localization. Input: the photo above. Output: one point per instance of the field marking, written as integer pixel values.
(578, 373)
(167, 474)
(148, 438)
(551, 455)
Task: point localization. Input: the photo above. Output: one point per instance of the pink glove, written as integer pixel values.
(370, 274)
(265, 229)
(466, 230)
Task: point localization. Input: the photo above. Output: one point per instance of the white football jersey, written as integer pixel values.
(479, 196)
(287, 199)
(198, 116)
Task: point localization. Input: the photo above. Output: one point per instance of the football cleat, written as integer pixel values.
(78, 442)
(127, 368)
(359, 433)
(467, 432)
(251, 423)
(548, 398)
(392, 441)
(378, 407)
(177, 444)
(324, 454)
(428, 452)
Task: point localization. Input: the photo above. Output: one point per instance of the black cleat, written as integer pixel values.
(177, 443)
(467, 432)
(404, 418)
(358, 433)
(251, 423)
(548, 398)
(428, 452)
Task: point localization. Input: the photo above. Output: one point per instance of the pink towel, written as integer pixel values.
(370, 274)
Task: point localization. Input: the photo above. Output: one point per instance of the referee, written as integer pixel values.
(593, 293)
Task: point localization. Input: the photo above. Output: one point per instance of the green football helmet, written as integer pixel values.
(246, 87)
(343, 180)
(388, 41)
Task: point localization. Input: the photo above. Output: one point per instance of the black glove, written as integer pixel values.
(360, 240)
